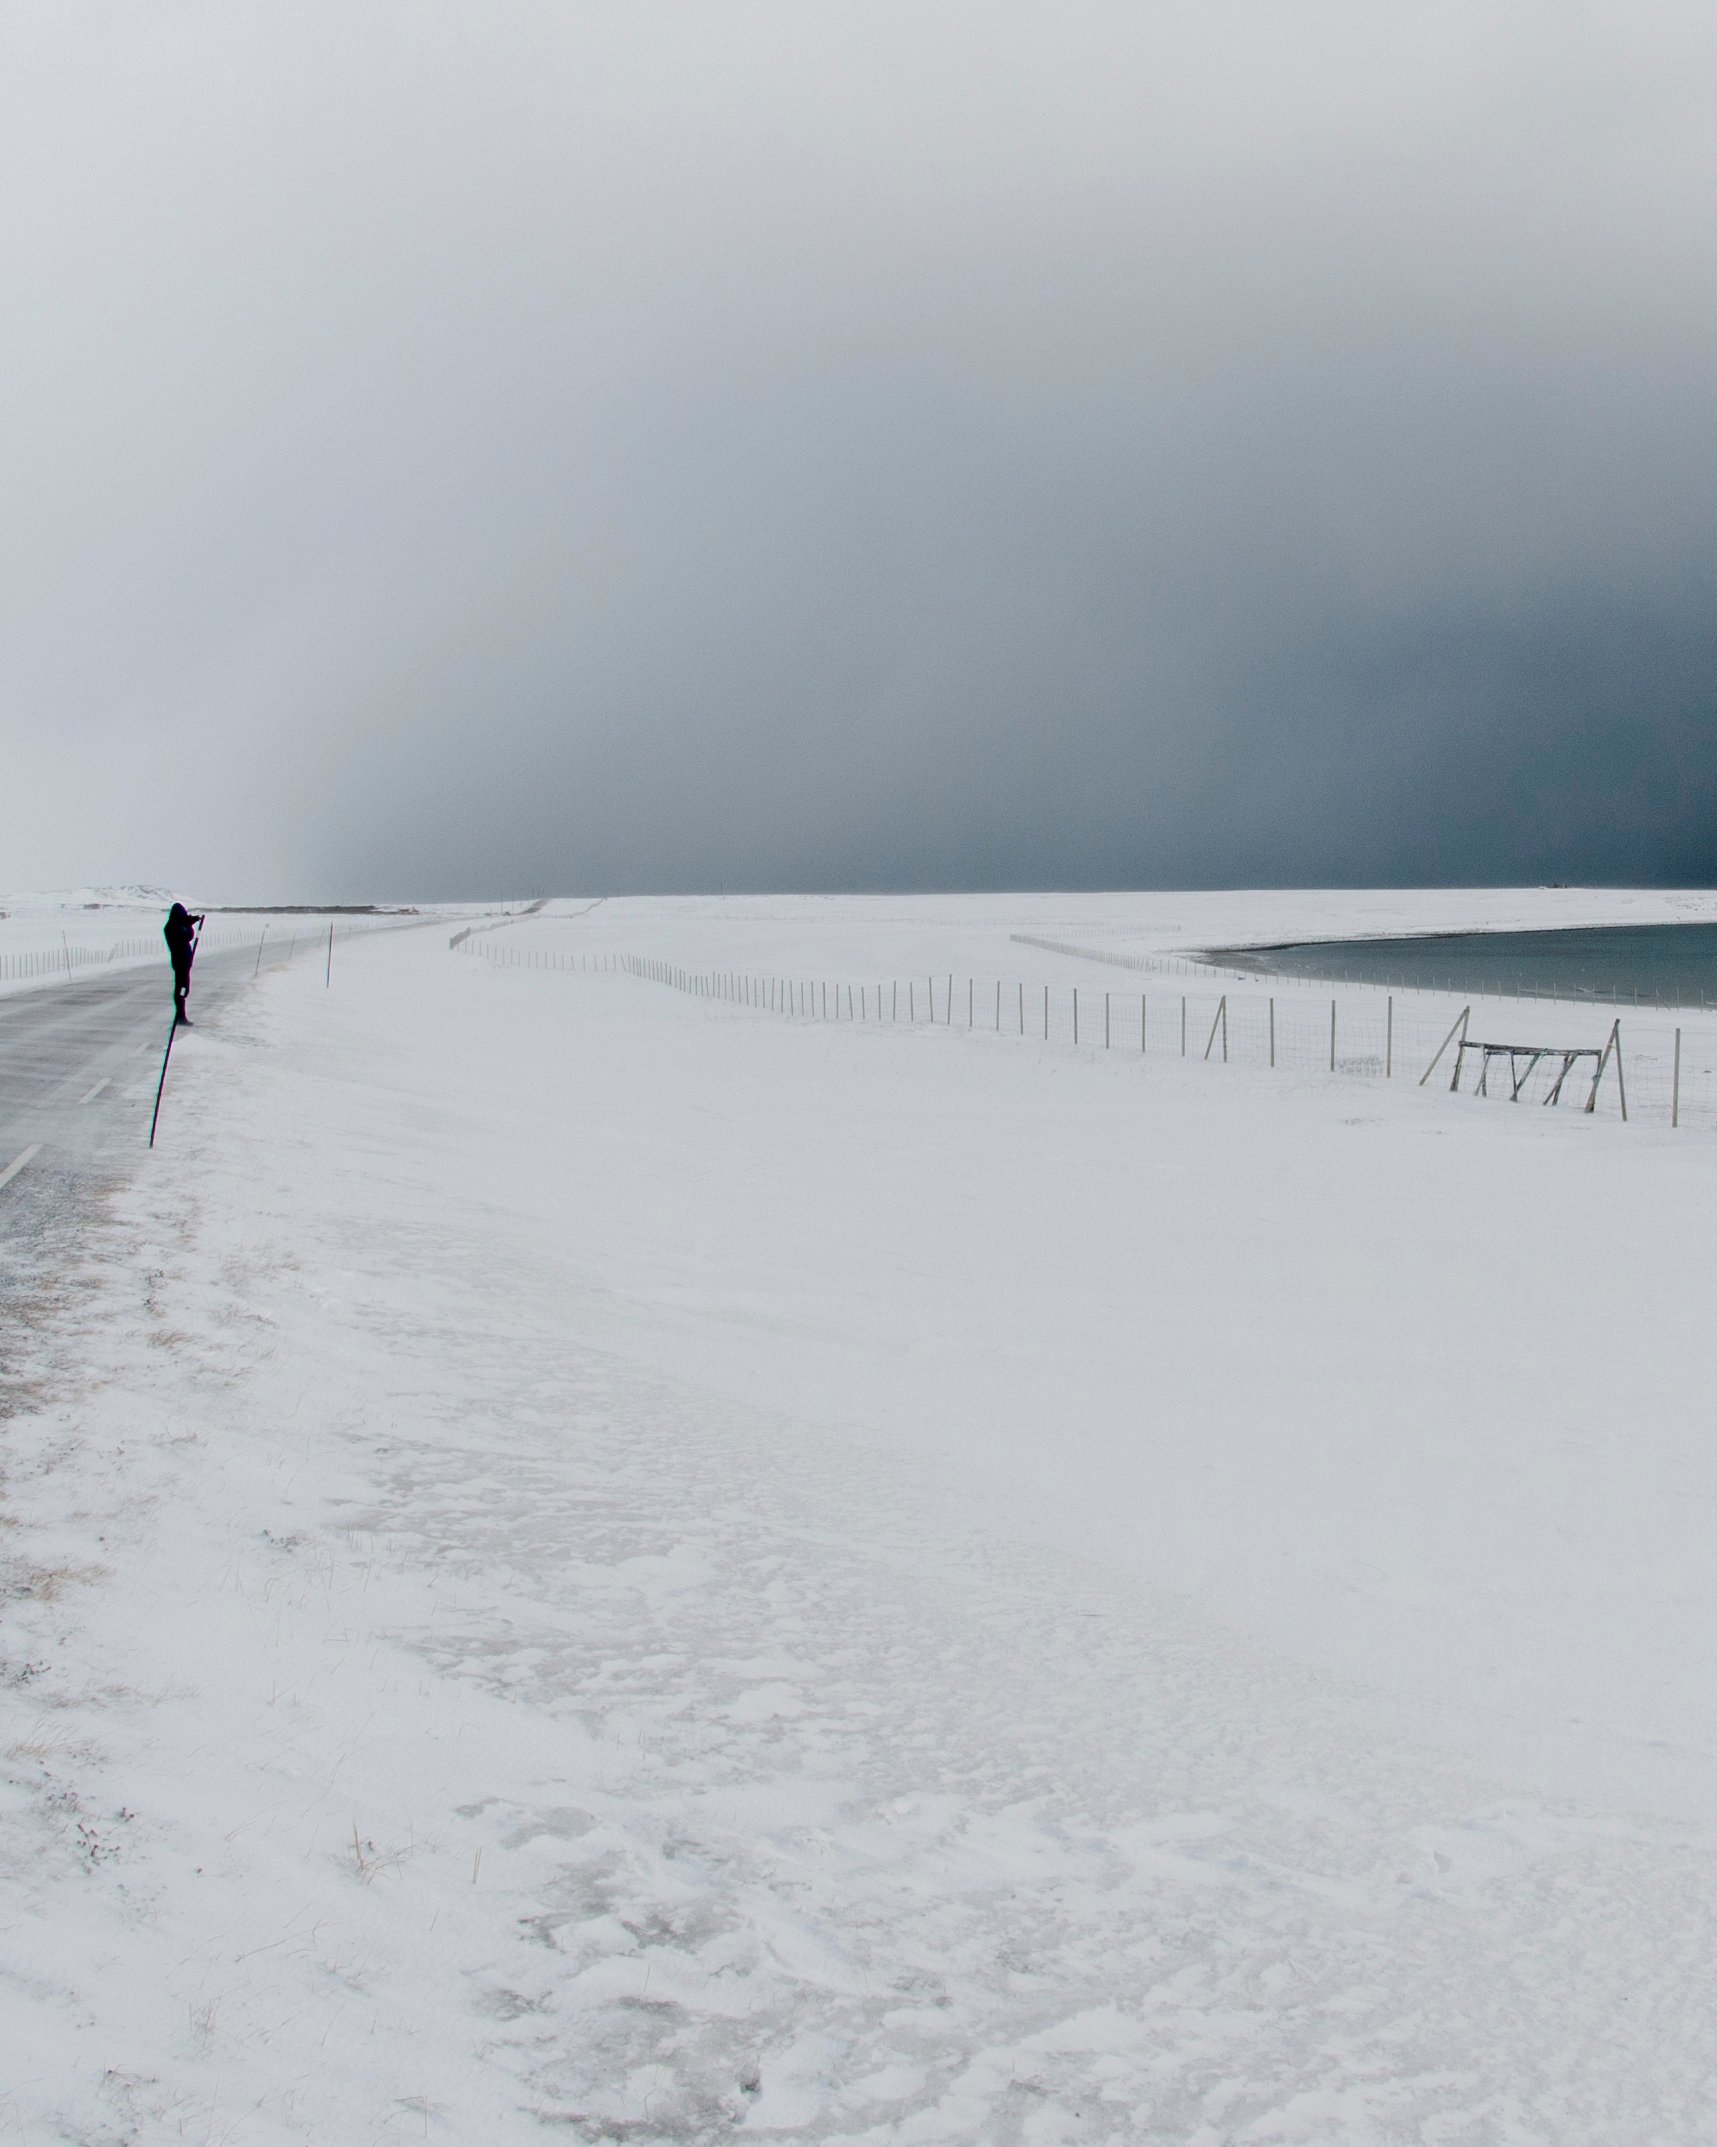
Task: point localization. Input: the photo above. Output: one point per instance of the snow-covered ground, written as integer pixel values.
(583, 1558)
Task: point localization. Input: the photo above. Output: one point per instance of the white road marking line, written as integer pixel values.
(94, 1092)
(17, 1163)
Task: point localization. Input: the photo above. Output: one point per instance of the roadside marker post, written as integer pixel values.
(155, 1115)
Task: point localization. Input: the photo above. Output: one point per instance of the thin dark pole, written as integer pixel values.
(329, 978)
(162, 1083)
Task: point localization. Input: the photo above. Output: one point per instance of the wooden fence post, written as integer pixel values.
(1613, 1044)
(1460, 1027)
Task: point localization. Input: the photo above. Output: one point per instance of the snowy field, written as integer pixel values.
(587, 1561)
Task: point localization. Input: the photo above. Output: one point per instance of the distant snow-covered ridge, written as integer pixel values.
(1178, 965)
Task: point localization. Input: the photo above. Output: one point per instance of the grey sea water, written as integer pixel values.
(1648, 964)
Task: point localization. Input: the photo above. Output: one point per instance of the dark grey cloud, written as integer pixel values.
(568, 447)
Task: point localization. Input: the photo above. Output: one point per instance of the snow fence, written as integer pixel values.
(1666, 1074)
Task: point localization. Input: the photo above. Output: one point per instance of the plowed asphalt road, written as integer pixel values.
(78, 1065)
(79, 1059)
(93, 1033)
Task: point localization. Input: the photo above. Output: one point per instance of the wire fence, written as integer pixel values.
(65, 960)
(44, 963)
(1550, 1053)
(271, 944)
(540, 957)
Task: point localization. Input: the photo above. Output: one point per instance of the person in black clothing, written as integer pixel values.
(180, 932)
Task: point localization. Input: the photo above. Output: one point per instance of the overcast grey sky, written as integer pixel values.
(533, 446)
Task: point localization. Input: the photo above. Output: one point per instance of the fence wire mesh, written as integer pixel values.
(1667, 1072)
